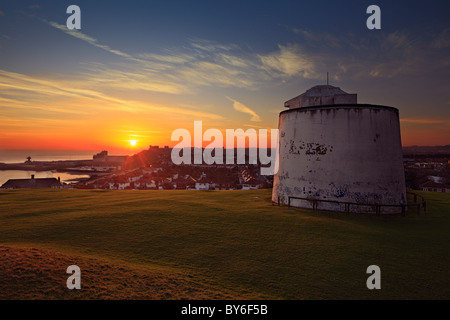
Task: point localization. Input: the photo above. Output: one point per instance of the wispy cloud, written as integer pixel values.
(170, 57)
(203, 63)
(1, 13)
(238, 106)
(129, 77)
(209, 46)
(381, 55)
(79, 35)
(319, 38)
(442, 40)
(288, 61)
(21, 91)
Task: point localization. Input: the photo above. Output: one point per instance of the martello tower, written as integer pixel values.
(334, 151)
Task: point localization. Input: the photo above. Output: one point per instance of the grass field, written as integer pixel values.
(214, 245)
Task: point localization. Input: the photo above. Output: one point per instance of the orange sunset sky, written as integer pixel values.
(139, 70)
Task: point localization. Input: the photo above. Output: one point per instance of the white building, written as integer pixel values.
(335, 151)
(203, 186)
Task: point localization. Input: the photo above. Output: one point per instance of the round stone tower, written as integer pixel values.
(335, 154)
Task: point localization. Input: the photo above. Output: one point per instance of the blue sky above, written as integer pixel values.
(231, 64)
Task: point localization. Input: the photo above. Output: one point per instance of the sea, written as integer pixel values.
(20, 156)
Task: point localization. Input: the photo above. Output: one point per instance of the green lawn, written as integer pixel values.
(237, 241)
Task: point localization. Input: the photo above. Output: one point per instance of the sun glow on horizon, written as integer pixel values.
(133, 143)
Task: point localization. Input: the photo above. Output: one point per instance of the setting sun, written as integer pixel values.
(133, 142)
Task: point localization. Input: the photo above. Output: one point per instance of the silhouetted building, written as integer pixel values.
(435, 187)
(32, 183)
(104, 158)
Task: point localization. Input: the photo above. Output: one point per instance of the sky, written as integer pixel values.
(138, 70)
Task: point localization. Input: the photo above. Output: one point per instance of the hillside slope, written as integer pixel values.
(219, 244)
(31, 273)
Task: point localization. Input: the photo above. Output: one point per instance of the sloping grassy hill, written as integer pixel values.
(224, 244)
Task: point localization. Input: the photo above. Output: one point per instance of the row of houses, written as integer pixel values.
(435, 187)
(162, 184)
(158, 179)
(141, 183)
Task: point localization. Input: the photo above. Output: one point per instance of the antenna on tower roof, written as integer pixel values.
(327, 79)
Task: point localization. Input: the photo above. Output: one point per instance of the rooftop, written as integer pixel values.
(321, 95)
(32, 183)
(432, 184)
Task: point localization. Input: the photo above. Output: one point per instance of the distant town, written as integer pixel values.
(151, 169)
(426, 168)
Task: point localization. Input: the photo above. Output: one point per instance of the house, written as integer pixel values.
(224, 186)
(145, 184)
(102, 157)
(201, 186)
(204, 186)
(435, 187)
(32, 183)
(119, 185)
(252, 184)
(134, 178)
(180, 183)
(249, 187)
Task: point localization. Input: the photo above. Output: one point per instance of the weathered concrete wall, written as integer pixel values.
(341, 153)
(303, 102)
(345, 99)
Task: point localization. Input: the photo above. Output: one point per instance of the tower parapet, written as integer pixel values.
(321, 95)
